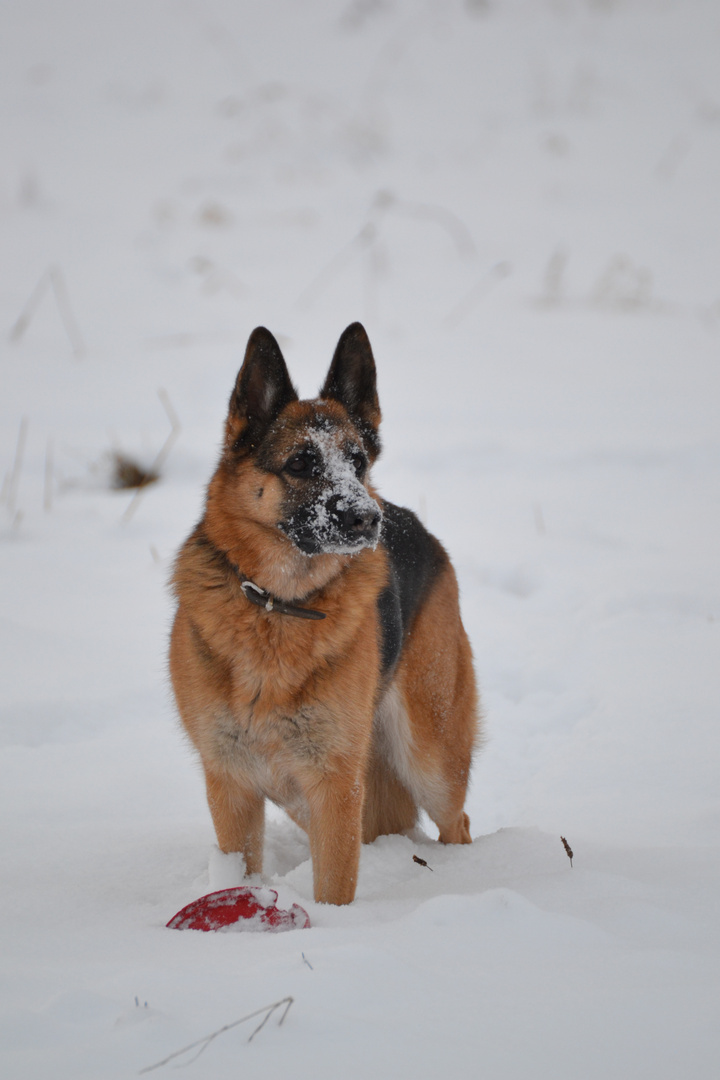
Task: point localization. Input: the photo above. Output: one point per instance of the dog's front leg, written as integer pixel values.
(335, 831)
(238, 814)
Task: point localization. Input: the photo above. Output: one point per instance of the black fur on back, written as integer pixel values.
(416, 558)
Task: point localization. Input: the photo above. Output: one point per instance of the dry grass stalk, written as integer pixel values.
(568, 849)
(127, 474)
(421, 862)
(553, 290)
(54, 279)
(203, 1044)
(49, 476)
(153, 473)
(12, 479)
(369, 237)
(479, 291)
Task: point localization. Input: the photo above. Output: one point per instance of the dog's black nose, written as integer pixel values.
(362, 520)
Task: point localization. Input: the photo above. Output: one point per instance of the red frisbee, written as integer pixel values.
(243, 908)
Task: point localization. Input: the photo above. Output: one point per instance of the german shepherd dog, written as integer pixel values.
(318, 657)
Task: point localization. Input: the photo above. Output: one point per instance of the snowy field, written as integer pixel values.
(520, 201)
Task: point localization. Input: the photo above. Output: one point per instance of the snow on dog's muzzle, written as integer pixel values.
(338, 523)
(354, 520)
(338, 514)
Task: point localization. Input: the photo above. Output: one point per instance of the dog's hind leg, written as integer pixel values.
(456, 831)
(238, 815)
(389, 806)
(433, 716)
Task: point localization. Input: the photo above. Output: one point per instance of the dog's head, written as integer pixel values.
(300, 468)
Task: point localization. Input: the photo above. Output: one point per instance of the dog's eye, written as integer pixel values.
(300, 465)
(359, 464)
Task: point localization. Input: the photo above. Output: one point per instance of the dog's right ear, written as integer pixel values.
(352, 381)
(262, 390)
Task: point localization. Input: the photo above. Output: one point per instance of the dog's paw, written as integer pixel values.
(225, 871)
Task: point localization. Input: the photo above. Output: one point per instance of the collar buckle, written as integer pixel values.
(262, 598)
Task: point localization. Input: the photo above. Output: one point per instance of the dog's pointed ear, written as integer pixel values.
(262, 390)
(352, 381)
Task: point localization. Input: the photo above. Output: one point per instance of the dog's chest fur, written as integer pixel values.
(266, 751)
(274, 680)
(270, 705)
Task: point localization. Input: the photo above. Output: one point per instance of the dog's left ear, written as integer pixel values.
(352, 381)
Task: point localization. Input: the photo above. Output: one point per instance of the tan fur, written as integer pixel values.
(297, 711)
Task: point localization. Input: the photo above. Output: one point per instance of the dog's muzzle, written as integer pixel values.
(359, 522)
(337, 524)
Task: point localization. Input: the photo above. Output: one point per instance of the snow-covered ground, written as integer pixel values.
(519, 198)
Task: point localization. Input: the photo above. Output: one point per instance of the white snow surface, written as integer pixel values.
(519, 200)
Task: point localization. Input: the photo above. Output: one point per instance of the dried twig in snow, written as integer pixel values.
(478, 292)
(421, 862)
(162, 454)
(12, 479)
(54, 279)
(49, 476)
(568, 849)
(203, 1044)
(368, 238)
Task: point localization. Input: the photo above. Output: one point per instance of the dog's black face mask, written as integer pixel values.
(328, 508)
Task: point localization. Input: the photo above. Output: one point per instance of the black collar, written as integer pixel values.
(256, 595)
(266, 600)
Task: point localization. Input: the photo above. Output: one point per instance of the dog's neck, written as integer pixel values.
(272, 604)
(253, 591)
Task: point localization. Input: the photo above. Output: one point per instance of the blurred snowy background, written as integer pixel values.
(519, 199)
